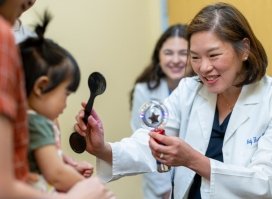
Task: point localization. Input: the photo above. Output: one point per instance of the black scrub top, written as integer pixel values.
(214, 151)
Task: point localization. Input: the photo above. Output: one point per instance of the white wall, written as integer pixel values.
(116, 38)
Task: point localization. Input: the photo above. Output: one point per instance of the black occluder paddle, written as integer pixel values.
(97, 86)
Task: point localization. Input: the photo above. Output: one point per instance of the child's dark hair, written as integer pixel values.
(43, 57)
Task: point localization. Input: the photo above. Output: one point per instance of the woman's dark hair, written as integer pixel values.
(153, 73)
(230, 25)
(43, 57)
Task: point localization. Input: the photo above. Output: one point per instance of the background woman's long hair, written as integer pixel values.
(153, 74)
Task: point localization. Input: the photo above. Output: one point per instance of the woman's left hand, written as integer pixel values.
(171, 151)
(174, 151)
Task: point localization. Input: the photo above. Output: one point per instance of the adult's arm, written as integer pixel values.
(10, 187)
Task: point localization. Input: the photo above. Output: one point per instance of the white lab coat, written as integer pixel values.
(247, 148)
(154, 184)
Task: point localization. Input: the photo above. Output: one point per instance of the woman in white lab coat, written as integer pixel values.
(220, 122)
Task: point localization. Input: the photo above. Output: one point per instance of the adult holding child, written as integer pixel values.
(21, 33)
(219, 127)
(13, 122)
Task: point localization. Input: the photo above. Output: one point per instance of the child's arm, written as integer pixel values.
(84, 168)
(54, 170)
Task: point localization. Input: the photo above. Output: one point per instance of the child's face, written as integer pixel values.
(54, 102)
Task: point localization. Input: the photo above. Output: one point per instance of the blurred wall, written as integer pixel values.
(115, 38)
(258, 14)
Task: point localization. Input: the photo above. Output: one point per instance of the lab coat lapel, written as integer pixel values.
(239, 116)
(250, 96)
(206, 112)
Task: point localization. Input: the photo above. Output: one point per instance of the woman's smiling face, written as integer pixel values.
(173, 58)
(216, 62)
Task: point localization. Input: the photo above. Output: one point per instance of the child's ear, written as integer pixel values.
(39, 85)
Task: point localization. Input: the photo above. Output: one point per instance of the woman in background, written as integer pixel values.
(157, 81)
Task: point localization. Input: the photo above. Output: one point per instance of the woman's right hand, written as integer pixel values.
(94, 135)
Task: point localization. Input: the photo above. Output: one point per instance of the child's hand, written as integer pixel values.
(32, 178)
(85, 168)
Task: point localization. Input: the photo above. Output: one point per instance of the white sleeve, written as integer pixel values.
(131, 156)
